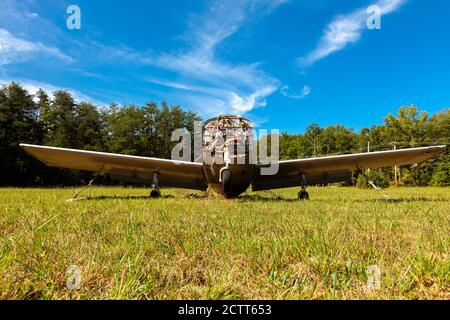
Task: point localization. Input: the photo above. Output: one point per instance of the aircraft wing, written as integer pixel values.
(179, 174)
(337, 168)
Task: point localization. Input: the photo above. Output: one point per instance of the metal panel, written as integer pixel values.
(338, 168)
(130, 168)
(277, 182)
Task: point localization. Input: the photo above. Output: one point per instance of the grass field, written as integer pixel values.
(261, 246)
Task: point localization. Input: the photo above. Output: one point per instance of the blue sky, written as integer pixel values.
(282, 63)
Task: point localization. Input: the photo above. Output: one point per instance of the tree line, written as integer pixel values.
(59, 120)
(409, 128)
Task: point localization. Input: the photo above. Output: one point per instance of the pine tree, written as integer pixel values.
(18, 124)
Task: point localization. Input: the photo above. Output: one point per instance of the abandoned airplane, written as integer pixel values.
(226, 163)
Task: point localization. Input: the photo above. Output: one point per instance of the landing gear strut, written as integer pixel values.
(226, 181)
(155, 193)
(303, 195)
(225, 172)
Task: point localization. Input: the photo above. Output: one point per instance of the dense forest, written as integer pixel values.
(59, 120)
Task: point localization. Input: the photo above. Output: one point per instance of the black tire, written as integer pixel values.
(155, 194)
(226, 181)
(303, 195)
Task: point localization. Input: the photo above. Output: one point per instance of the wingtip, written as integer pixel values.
(439, 149)
(27, 146)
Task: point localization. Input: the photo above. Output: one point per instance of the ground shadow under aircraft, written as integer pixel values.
(255, 198)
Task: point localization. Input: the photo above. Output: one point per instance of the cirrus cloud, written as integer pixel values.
(14, 49)
(233, 88)
(344, 30)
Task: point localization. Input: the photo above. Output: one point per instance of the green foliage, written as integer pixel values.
(18, 123)
(362, 181)
(407, 178)
(378, 177)
(441, 176)
(408, 126)
(146, 130)
(318, 141)
(63, 122)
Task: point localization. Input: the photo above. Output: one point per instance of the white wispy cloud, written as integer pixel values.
(14, 49)
(203, 81)
(31, 15)
(344, 30)
(233, 88)
(284, 90)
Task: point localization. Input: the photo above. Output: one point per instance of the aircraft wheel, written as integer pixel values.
(226, 181)
(155, 194)
(303, 195)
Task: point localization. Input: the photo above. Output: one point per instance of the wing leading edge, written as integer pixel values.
(178, 174)
(338, 168)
